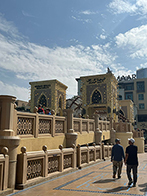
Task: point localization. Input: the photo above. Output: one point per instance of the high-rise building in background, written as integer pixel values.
(135, 88)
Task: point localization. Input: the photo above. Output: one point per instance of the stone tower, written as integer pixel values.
(50, 94)
(99, 94)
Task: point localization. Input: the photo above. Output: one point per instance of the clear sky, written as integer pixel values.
(66, 39)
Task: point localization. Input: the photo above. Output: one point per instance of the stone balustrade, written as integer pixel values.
(138, 133)
(41, 164)
(83, 125)
(37, 165)
(122, 126)
(34, 124)
(106, 151)
(104, 125)
(88, 154)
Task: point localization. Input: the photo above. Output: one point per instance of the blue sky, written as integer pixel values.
(66, 39)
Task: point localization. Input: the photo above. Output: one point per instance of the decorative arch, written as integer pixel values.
(43, 100)
(60, 102)
(60, 105)
(96, 97)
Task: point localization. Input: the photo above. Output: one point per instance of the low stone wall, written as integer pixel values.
(41, 164)
(106, 151)
(88, 154)
(34, 167)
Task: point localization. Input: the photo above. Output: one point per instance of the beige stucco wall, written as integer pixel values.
(85, 138)
(124, 138)
(35, 144)
(139, 142)
(105, 135)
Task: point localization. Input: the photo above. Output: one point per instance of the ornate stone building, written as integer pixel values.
(50, 93)
(99, 93)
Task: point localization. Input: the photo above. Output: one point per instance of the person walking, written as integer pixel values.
(117, 157)
(131, 160)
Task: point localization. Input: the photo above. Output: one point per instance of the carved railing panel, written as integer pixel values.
(110, 150)
(98, 154)
(53, 164)
(83, 157)
(34, 168)
(91, 126)
(106, 152)
(25, 126)
(44, 126)
(67, 161)
(84, 126)
(1, 174)
(59, 127)
(76, 126)
(91, 155)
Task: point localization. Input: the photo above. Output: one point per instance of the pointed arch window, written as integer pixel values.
(43, 101)
(60, 102)
(96, 97)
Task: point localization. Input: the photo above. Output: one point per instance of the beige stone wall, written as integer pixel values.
(35, 144)
(124, 138)
(139, 142)
(105, 135)
(85, 138)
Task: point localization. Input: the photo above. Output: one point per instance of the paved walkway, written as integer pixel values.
(92, 180)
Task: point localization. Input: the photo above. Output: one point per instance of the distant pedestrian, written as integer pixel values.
(131, 160)
(48, 111)
(117, 157)
(40, 109)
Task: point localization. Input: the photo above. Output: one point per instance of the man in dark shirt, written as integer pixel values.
(117, 157)
(131, 160)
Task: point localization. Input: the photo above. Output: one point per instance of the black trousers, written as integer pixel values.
(134, 168)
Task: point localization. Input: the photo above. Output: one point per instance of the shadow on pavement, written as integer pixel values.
(117, 189)
(104, 181)
(143, 187)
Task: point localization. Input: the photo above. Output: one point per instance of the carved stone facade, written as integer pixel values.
(99, 93)
(50, 94)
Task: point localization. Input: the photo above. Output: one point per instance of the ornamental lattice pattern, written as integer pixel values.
(91, 155)
(59, 127)
(110, 150)
(44, 126)
(106, 152)
(34, 168)
(97, 154)
(83, 157)
(67, 161)
(76, 126)
(84, 126)
(25, 126)
(91, 126)
(53, 164)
